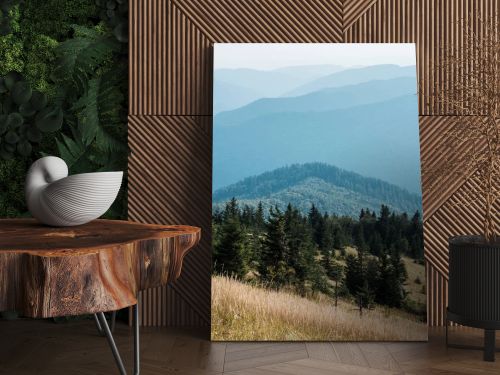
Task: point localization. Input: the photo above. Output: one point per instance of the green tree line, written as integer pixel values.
(307, 253)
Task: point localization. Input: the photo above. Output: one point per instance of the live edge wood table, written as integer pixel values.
(89, 269)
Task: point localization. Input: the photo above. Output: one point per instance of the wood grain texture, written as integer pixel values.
(178, 148)
(99, 266)
(431, 25)
(171, 75)
(42, 348)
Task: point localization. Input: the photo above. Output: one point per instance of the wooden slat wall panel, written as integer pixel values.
(171, 167)
(353, 10)
(171, 105)
(170, 82)
(432, 25)
(437, 295)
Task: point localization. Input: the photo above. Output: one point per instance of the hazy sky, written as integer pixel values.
(267, 56)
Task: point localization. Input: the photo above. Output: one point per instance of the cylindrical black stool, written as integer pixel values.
(474, 288)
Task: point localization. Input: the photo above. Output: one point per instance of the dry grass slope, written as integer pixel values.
(243, 312)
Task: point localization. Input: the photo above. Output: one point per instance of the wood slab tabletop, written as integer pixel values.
(100, 266)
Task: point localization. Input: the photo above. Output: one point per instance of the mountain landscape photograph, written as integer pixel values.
(317, 226)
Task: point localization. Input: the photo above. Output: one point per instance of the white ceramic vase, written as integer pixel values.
(56, 199)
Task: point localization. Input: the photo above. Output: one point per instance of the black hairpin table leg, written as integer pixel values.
(98, 325)
(102, 325)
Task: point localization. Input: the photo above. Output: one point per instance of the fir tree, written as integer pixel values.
(273, 267)
(228, 255)
(354, 279)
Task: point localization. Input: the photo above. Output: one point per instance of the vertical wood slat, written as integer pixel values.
(432, 26)
(171, 74)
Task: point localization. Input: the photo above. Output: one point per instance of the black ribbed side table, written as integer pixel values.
(474, 288)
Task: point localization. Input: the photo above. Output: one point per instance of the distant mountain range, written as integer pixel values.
(323, 100)
(355, 76)
(234, 88)
(329, 188)
(378, 140)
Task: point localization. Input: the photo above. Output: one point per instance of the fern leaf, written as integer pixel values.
(98, 114)
(80, 56)
(73, 152)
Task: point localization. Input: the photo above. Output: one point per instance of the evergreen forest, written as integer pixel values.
(359, 259)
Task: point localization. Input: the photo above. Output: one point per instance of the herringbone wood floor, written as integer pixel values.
(42, 347)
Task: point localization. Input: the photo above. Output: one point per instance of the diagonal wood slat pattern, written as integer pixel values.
(266, 21)
(170, 185)
(353, 9)
(171, 61)
(432, 25)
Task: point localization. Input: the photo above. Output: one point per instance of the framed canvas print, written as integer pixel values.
(317, 205)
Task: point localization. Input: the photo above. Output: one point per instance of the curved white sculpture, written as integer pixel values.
(56, 199)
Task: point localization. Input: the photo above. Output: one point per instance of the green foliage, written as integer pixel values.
(297, 252)
(11, 47)
(39, 56)
(24, 116)
(330, 188)
(76, 69)
(115, 13)
(12, 175)
(98, 113)
(8, 16)
(80, 57)
(55, 18)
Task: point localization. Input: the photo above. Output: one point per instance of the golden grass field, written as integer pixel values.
(244, 312)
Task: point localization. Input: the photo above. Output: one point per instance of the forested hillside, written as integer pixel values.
(308, 254)
(330, 188)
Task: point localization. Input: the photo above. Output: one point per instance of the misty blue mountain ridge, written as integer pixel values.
(247, 85)
(326, 99)
(362, 121)
(329, 188)
(273, 140)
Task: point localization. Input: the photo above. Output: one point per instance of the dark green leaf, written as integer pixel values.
(21, 92)
(8, 105)
(14, 120)
(9, 147)
(38, 100)
(121, 32)
(11, 137)
(24, 148)
(74, 152)
(27, 109)
(4, 154)
(11, 78)
(49, 119)
(98, 113)
(33, 134)
(3, 88)
(80, 56)
(3, 124)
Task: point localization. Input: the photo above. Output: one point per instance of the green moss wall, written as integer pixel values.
(63, 91)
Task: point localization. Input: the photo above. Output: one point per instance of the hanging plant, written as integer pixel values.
(24, 116)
